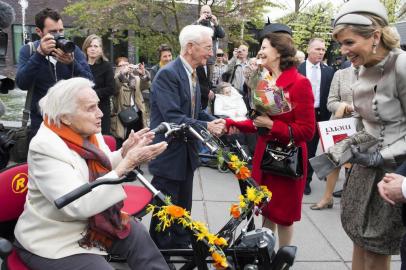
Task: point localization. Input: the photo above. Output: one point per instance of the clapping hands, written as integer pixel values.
(137, 150)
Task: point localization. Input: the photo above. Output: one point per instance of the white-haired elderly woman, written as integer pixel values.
(379, 97)
(67, 152)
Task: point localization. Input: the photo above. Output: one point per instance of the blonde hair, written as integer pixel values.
(88, 41)
(389, 38)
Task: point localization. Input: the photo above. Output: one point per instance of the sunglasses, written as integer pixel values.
(220, 54)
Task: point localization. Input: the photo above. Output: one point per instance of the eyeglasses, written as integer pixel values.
(207, 48)
(123, 65)
(220, 55)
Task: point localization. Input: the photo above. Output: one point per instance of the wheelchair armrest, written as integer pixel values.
(285, 256)
(5, 248)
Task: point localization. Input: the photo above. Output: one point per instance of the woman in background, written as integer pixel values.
(103, 76)
(339, 103)
(130, 81)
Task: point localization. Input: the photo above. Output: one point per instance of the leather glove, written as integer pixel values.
(374, 159)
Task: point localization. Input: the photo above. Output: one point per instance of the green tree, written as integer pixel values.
(154, 22)
(312, 22)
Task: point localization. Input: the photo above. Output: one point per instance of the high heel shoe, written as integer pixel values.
(328, 205)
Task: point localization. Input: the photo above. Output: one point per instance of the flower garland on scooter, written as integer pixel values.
(253, 194)
(169, 213)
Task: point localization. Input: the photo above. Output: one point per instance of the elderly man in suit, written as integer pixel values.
(176, 98)
(320, 76)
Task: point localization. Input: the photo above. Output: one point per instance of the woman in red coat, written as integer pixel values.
(278, 57)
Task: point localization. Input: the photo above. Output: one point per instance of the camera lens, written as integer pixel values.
(65, 45)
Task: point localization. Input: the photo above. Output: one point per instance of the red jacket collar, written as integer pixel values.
(287, 77)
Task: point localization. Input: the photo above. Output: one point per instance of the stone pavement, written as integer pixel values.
(321, 241)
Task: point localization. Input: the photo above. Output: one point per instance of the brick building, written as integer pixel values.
(16, 39)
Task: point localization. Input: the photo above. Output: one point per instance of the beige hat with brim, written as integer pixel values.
(351, 12)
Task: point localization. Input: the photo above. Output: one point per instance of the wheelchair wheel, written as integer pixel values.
(222, 168)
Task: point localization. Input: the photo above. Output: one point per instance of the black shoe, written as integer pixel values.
(337, 194)
(307, 189)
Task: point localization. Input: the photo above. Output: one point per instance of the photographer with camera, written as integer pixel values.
(130, 80)
(50, 59)
(209, 20)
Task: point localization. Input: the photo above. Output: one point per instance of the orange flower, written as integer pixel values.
(220, 241)
(175, 211)
(243, 173)
(220, 262)
(235, 211)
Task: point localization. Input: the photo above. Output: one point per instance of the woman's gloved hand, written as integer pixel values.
(374, 159)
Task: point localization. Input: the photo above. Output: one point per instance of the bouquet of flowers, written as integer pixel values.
(266, 97)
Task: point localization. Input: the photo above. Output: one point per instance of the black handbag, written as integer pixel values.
(128, 116)
(281, 159)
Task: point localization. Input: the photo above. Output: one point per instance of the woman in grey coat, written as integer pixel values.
(374, 226)
(339, 103)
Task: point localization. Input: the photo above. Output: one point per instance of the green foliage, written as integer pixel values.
(160, 21)
(393, 8)
(313, 22)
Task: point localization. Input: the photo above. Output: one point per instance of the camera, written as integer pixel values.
(5, 143)
(65, 45)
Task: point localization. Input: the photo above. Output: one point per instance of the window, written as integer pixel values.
(18, 39)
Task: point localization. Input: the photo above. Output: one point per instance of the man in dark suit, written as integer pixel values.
(176, 99)
(320, 76)
(392, 189)
(203, 74)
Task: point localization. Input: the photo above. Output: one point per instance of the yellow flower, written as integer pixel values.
(251, 194)
(175, 211)
(234, 158)
(232, 166)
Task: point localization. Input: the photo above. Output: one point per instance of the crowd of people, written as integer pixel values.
(71, 108)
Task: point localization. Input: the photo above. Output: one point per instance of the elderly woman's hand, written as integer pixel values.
(263, 121)
(134, 139)
(139, 154)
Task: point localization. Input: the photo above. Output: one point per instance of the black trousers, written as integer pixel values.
(312, 146)
(181, 195)
(138, 248)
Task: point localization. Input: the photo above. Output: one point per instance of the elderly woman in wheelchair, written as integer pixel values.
(67, 152)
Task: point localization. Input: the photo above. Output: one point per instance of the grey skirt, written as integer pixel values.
(368, 220)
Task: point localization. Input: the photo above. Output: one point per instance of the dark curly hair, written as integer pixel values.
(41, 16)
(283, 43)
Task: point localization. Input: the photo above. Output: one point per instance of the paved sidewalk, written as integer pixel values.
(321, 241)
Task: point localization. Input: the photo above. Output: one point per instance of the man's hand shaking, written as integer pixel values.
(217, 127)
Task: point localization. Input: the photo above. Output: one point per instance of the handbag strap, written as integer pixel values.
(291, 139)
(26, 111)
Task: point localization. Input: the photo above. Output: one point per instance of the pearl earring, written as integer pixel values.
(374, 48)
